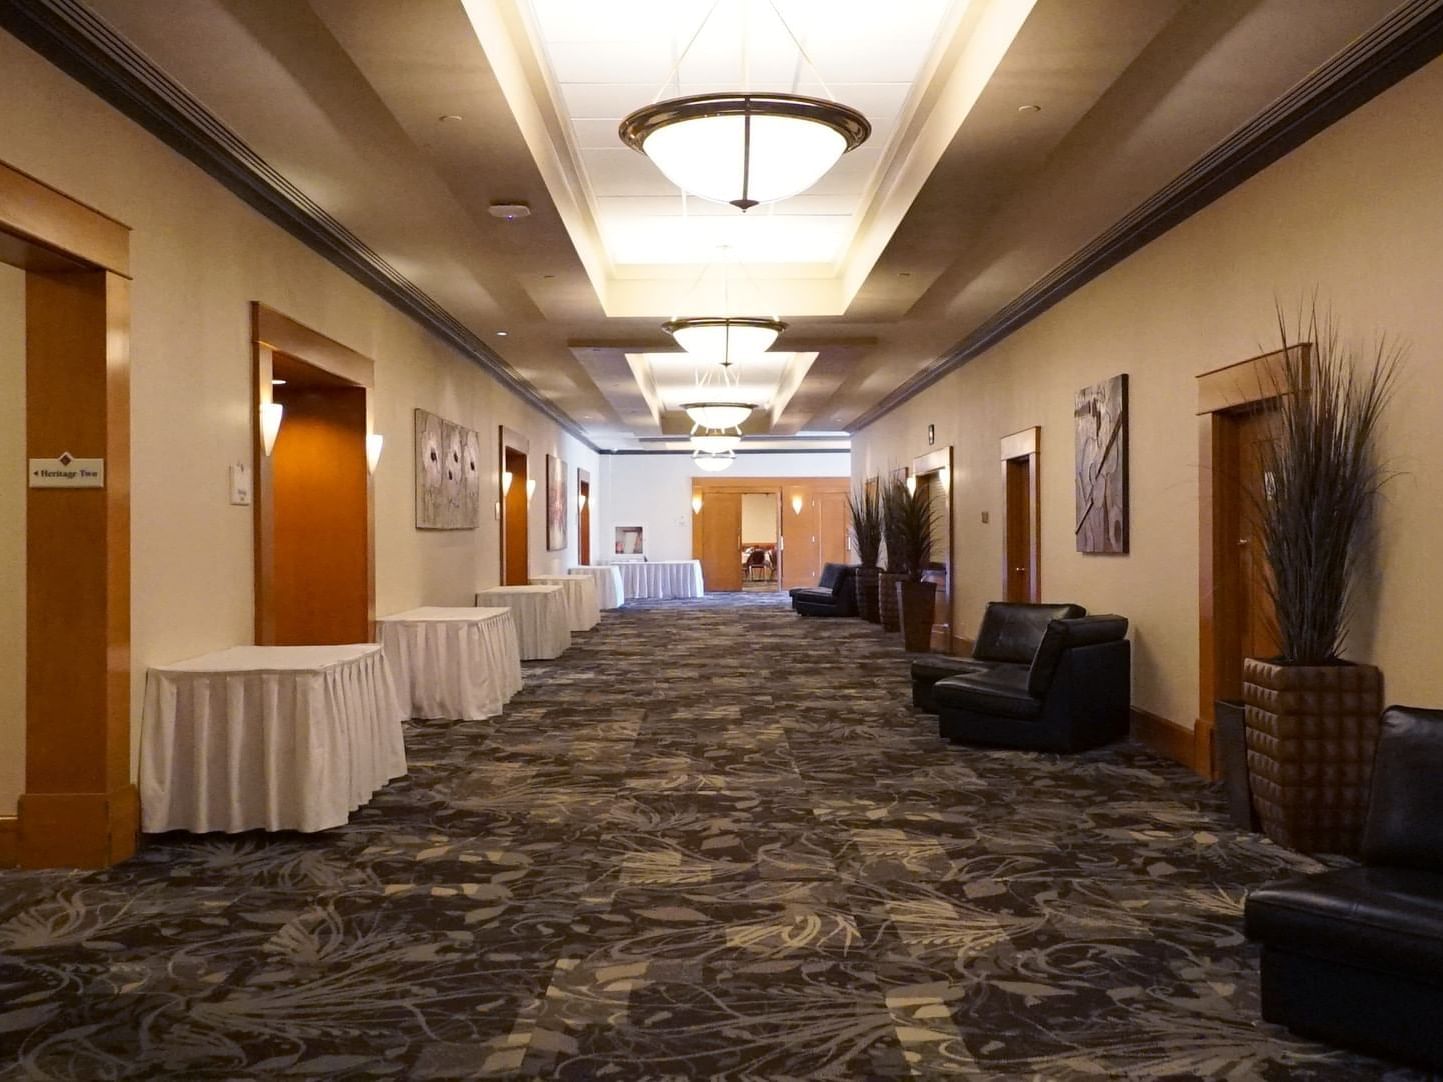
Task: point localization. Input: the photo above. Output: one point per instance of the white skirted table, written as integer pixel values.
(268, 738)
(582, 611)
(453, 662)
(660, 578)
(540, 615)
(609, 593)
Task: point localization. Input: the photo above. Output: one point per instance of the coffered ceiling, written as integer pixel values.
(405, 121)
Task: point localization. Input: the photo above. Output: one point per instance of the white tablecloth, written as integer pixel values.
(540, 615)
(582, 611)
(609, 593)
(453, 663)
(268, 737)
(661, 578)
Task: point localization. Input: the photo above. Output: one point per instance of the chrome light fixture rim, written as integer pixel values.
(671, 326)
(847, 122)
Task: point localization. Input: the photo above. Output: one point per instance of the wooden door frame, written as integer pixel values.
(509, 438)
(939, 461)
(1026, 444)
(79, 807)
(1224, 395)
(274, 332)
(762, 486)
(583, 477)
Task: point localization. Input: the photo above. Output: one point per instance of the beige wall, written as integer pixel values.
(759, 518)
(12, 537)
(1357, 213)
(199, 257)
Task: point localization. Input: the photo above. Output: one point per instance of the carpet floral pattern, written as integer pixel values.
(712, 840)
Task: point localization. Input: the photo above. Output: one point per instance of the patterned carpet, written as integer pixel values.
(713, 840)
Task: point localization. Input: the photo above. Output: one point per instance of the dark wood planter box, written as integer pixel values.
(1311, 732)
(888, 609)
(917, 601)
(866, 585)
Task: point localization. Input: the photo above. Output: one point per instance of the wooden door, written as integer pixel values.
(832, 529)
(516, 545)
(1257, 626)
(321, 531)
(1020, 579)
(721, 541)
(583, 523)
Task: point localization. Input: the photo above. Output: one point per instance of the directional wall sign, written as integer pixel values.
(67, 471)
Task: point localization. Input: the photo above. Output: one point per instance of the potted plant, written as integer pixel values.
(865, 506)
(916, 599)
(1312, 717)
(888, 611)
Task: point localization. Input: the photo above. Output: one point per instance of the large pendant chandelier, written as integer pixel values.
(713, 442)
(724, 339)
(744, 148)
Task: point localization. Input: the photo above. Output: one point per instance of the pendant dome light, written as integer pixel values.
(713, 463)
(742, 148)
(712, 442)
(718, 414)
(725, 339)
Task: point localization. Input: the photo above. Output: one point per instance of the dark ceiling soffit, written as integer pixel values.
(1404, 42)
(77, 41)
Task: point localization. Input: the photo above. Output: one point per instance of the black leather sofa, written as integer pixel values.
(834, 595)
(1074, 693)
(1009, 635)
(1355, 956)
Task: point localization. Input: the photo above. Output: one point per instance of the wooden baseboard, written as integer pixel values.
(9, 841)
(1167, 738)
(78, 830)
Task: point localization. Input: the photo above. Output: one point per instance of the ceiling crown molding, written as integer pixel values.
(1398, 46)
(85, 47)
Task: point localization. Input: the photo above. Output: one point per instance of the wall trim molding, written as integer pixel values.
(1166, 737)
(1402, 43)
(85, 47)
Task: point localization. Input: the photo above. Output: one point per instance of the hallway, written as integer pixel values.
(713, 838)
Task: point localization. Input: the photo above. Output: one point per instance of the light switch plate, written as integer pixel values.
(240, 485)
(985, 519)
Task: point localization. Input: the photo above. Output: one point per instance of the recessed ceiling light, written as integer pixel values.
(278, 383)
(1029, 108)
(502, 334)
(444, 117)
(904, 274)
(510, 212)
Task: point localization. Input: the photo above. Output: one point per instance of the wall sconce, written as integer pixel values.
(580, 502)
(944, 476)
(912, 485)
(270, 424)
(506, 480)
(797, 504)
(530, 488)
(373, 451)
(696, 503)
(498, 510)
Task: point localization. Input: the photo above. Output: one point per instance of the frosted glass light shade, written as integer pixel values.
(715, 443)
(744, 149)
(718, 414)
(506, 478)
(271, 413)
(530, 488)
(713, 463)
(721, 340)
(374, 443)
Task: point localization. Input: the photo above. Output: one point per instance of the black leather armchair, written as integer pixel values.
(834, 595)
(1355, 956)
(1075, 694)
(1009, 635)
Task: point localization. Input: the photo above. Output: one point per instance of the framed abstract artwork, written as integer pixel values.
(630, 541)
(1100, 415)
(448, 474)
(555, 503)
